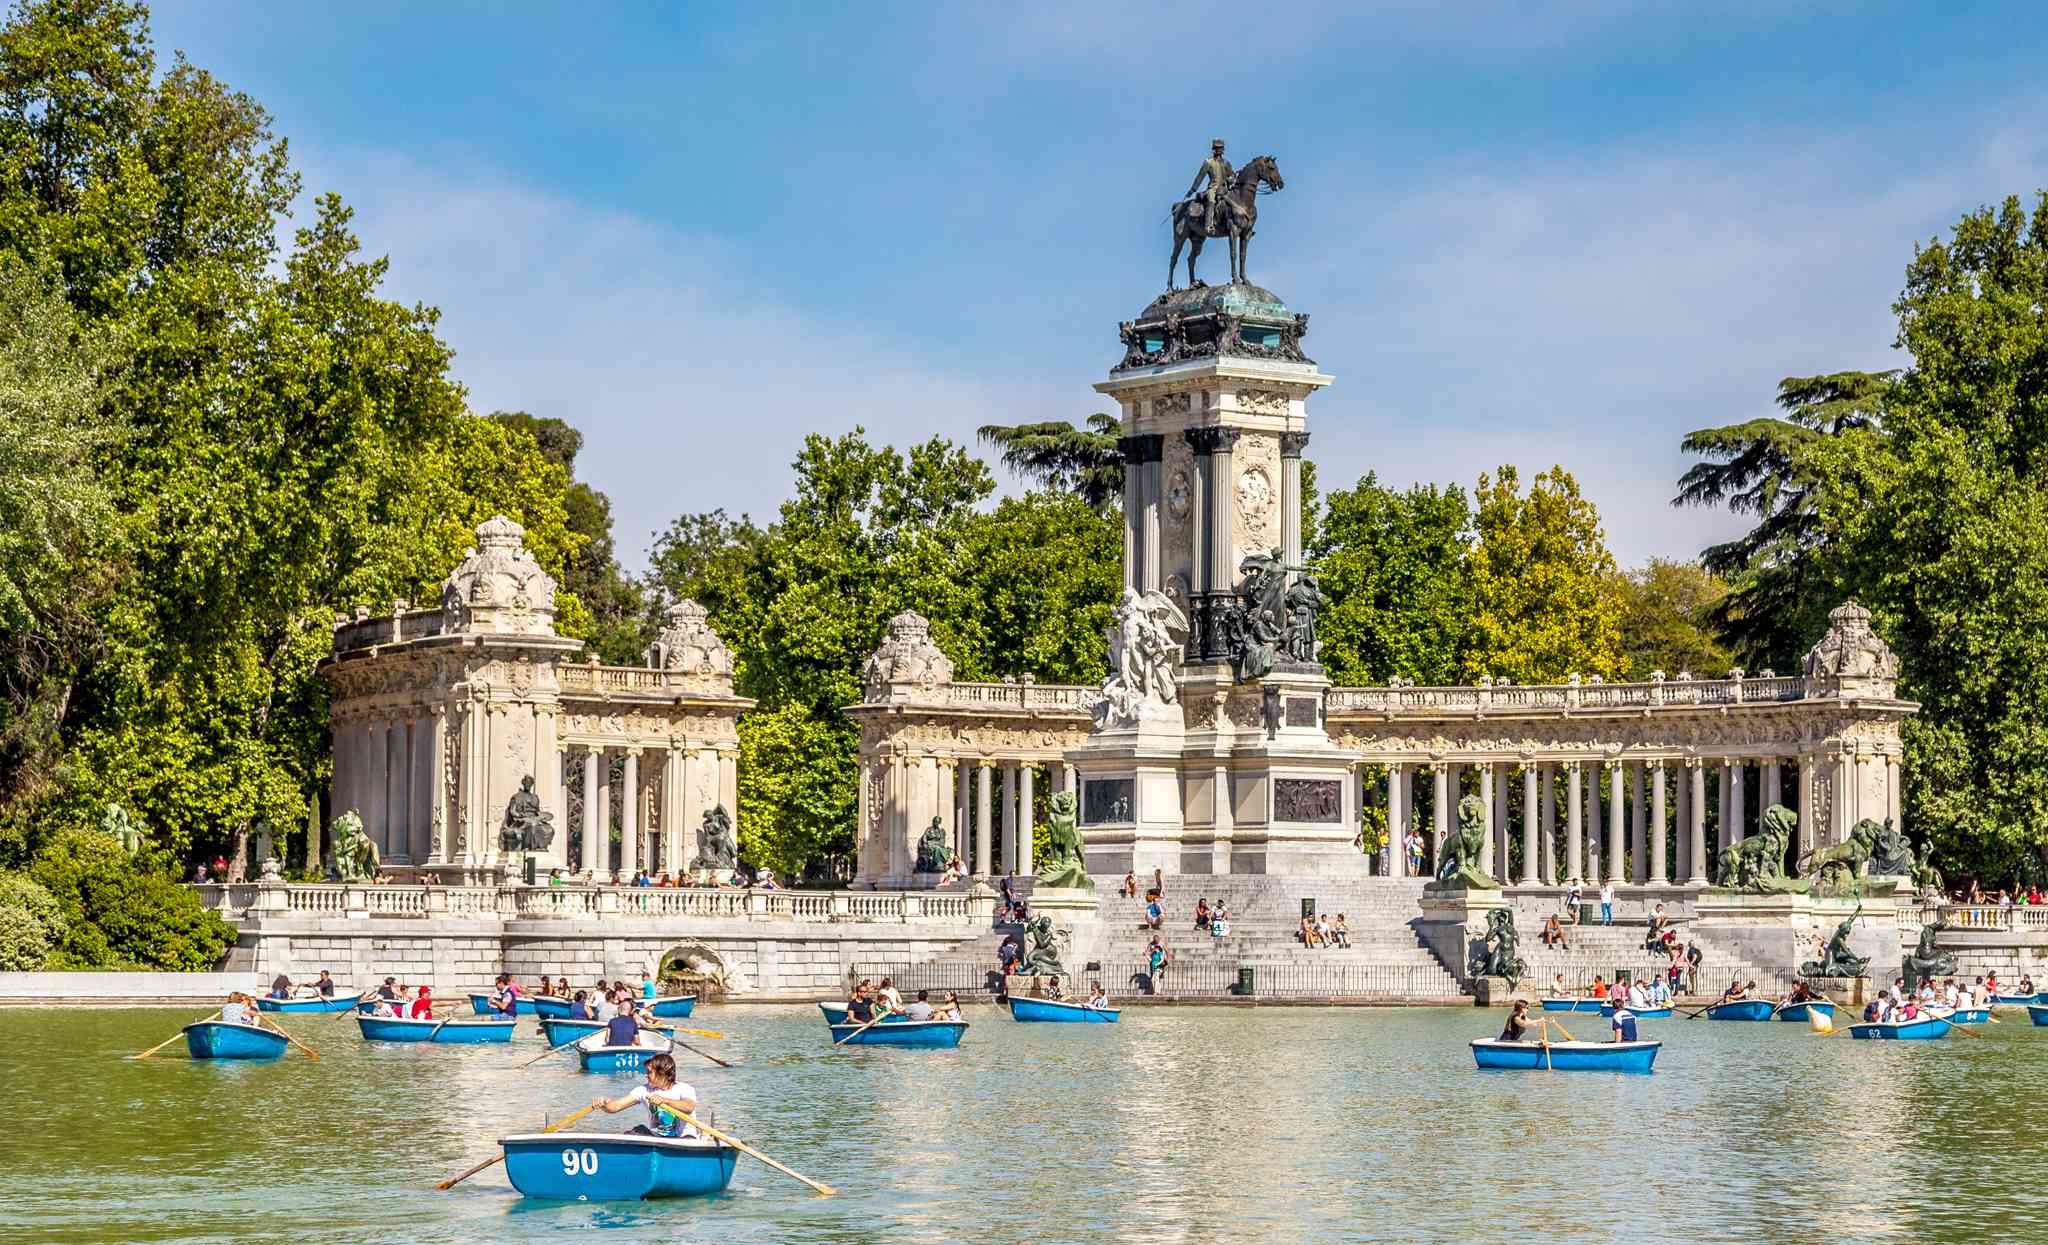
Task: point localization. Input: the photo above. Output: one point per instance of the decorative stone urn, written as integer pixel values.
(1850, 659)
(499, 588)
(907, 661)
(690, 651)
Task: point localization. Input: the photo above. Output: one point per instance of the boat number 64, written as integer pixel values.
(579, 1162)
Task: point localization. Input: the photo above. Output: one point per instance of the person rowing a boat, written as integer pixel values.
(858, 1009)
(1098, 998)
(1623, 1024)
(505, 999)
(422, 1004)
(325, 986)
(667, 1099)
(1734, 993)
(1518, 1023)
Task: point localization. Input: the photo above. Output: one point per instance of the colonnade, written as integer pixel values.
(985, 805)
(1647, 822)
(663, 792)
(387, 763)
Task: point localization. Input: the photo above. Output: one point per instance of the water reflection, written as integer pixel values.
(1178, 1126)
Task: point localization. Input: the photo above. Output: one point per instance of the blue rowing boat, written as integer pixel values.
(559, 1031)
(1494, 1054)
(1741, 1009)
(1640, 1013)
(439, 1032)
(2016, 1000)
(481, 1004)
(1802, 1012)
(311, 1003)
(220, 1039)
(1573, 1005)
(1970, 1016)
(671, 1006)
(2037, 1013)
(924, 1033)
(615, 1167)
(1926, 1029)
(545, 1005)
(617, 1058)
(1052, 1011)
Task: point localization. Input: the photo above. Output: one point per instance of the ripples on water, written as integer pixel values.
(1179, 1125)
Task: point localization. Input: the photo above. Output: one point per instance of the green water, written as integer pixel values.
(1179, 1125)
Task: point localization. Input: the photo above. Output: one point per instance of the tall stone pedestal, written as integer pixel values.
(1130, 813)
(1073, 909)
(1453, 922)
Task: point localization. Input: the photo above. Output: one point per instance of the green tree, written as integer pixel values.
(1544, 602)
(56, 514)
(122, 911)
(1666, 615)
(1780, 470)
(1056, 455)
(1922, 495)
(1394, 565)
(619, 628)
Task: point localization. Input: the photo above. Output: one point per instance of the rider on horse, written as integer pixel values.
(1219, 173)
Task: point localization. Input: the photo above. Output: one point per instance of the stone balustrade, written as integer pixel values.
(601, 903)
(1974, 917)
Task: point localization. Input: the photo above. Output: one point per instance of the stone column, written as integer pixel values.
(547, 782)
(1891, 792)
(1222, 819)
(605, 870)
(1397, 820)
(1594, 822)
(1486, 858)
(629, 817)
(1660, 862)
(441, 816)
(1027, 775)
(1574, 821)
(1736, 810)
(1548, 827)
(593, 797)
(1291, 446)
(729, 784)
(1009, 817)
(674, 780)
(985, 808)
(1773, 782)
(1638, 827)
(1134, 520)
(1503, 779)
(1721, 838)
(1222, 503)
(1696, 856)
(958, 782)
(1440, 790)
(1616, 828)
(1531, 824)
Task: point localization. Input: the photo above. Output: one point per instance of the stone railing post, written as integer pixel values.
(913, 908)
(1656, 687)
(1571, 691)
(607, 901)
(437, 901)
(355, 902)
(1735, 677)
(273, 897)
(842, 908)
(981, 903)
(757, 905)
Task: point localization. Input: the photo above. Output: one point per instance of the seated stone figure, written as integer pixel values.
(931, 849)
(1458, 867)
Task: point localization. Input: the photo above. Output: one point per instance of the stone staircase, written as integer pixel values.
(1385, 956)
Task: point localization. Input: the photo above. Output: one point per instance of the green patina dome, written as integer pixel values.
(1239, 299)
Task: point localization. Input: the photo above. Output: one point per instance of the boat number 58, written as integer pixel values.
(579, 1162)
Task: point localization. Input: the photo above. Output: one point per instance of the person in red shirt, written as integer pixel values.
(1599, 988)
(423, 1006)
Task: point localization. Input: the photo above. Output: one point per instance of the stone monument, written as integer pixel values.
(1209, 752)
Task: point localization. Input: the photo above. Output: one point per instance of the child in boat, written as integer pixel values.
(1098, 998)
(667, 1099)
(423, 1006)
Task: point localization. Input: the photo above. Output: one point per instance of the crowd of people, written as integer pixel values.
(1324, 931)
(869, 1003)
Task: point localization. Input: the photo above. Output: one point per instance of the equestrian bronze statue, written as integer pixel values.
(1226, 207)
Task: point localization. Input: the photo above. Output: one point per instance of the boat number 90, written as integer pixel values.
(579, 1162)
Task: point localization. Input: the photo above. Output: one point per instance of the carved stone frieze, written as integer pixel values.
(1262, 401)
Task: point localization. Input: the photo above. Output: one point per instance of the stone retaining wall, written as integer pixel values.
(137, 988)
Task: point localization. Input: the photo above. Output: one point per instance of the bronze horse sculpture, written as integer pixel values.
(1237, 211)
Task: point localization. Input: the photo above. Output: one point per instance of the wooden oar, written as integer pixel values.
(863, 1029)
(746, 1149)
(279, 1029)
(557, 1126)
(212, 1015)
(707, 1054)
(552, 1049)
(1953, 1025)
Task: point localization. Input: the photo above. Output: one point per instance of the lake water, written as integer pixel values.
(1179, 1125)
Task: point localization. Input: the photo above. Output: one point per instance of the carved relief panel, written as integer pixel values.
(1257, 499)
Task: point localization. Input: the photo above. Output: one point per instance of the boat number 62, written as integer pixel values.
(579, 1162)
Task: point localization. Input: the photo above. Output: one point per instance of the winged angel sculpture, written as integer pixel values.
(1144, 643)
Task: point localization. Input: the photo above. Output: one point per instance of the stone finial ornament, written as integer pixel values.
(688, 646)
(906, 656)
(1850, 659)
(499, 589)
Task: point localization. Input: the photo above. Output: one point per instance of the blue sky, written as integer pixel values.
(699, 232)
